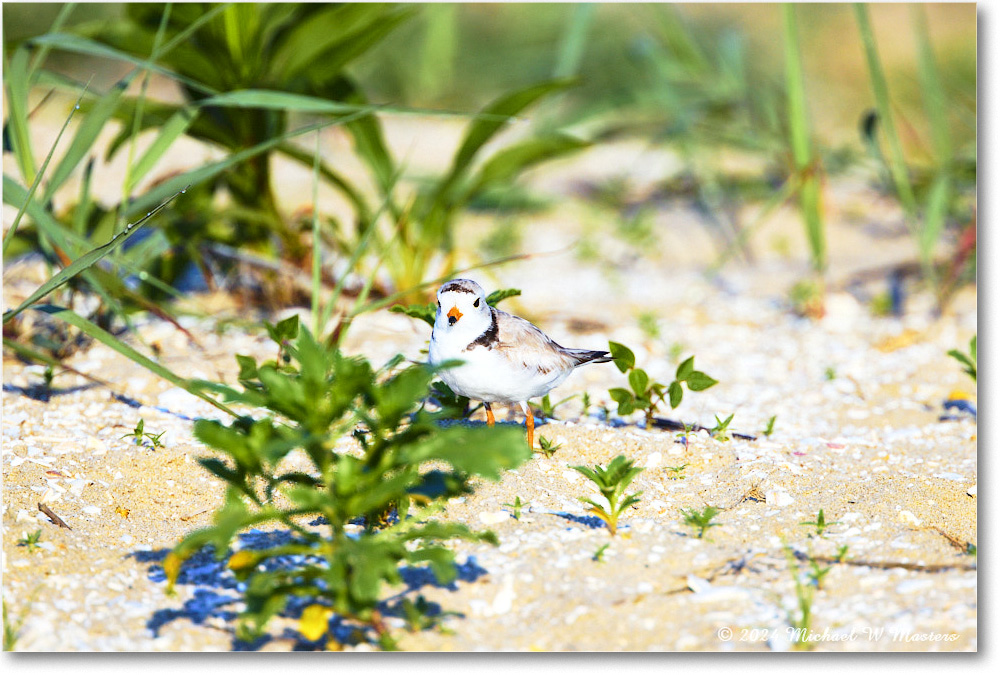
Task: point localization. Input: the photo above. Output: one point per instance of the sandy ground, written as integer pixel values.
(859, 434)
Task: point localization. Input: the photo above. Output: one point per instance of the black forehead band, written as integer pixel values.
(458, 287)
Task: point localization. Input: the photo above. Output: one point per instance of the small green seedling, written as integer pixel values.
(585, 402)
(612, 483)
(816, 574)
(700, 520)
(720, 431)
(841, 553)
(516, 507)
(820, 524)
(547, 447)
(678, 471)
(647, 394)
(769, 429)
(139, 434)
(548, 408)
(968, 360)
(829, 374)
(30, 540)
(599, 553)
(804, 593)
(970, 549)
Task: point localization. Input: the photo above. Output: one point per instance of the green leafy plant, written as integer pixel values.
(516, 507)
(647, 394)
(599, 553)
(244, 73)
(677, 471)
(395, 483)
(968, 360)
(547, 447)
(820, 524)
(611, 482)
(700, 520)
(139, 434)
(769, 428)
(720, 431)
(548, 409)
(30, 541)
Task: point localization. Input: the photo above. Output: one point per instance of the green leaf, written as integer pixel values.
(639, 380)
(501, 294)
(248, 367)
(685, 369)
(622, 355)
(425, 313)
(699, 381)
(619, 394)
(496, 449)
(509, 163)
(676, 394)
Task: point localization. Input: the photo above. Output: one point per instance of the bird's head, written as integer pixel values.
(461, 304)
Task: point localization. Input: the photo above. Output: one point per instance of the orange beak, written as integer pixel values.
(454, 315)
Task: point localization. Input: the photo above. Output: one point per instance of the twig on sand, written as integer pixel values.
(53, 517)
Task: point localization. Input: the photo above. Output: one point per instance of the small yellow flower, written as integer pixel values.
(314, 621)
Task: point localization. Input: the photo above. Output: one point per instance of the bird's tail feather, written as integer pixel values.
(582, 356)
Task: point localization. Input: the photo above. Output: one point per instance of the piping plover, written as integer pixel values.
(505, 359)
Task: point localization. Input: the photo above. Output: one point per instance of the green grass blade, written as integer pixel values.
(438, 49)
(574, 41)
(880, 89)
(82, 263)
(33, 70)
(314, 304)
(140, 103)
(935, 99)
(798, 121)
(76, 44)
(935, 104)
(86, 135)
(169, 132)
(15, 74)
(38, 178)
(129, 352)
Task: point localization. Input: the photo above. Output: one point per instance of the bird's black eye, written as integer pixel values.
(476, 303)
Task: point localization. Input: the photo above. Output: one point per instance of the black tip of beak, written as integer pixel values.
(451, 320)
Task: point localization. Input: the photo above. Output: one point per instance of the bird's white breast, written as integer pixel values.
(487, 374)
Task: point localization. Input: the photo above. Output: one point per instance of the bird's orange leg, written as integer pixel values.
(490, 420)
(529, 421)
